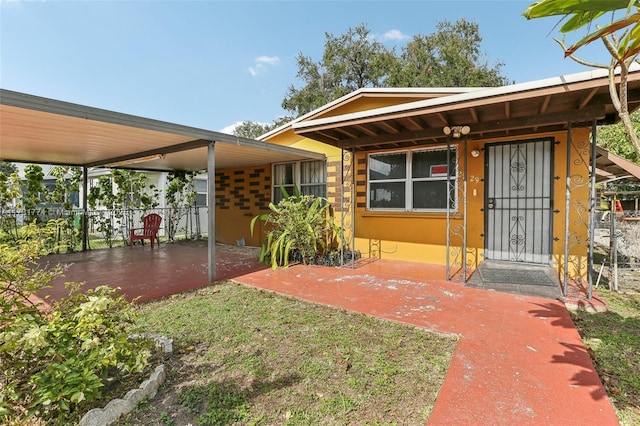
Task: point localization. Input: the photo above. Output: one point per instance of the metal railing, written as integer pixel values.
(63, 229)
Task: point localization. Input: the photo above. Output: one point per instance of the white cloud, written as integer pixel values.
(262, 63)
(229, 129)
(395, 35)
(271, 60)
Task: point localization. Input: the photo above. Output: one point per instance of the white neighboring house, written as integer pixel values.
(153, 178)
(158, 179)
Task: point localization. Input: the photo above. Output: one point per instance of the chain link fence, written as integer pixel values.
(617, 254)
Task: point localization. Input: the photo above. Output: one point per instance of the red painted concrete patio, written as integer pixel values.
(145, 274)
(519, 360)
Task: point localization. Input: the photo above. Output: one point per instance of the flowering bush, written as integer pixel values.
(55, 360)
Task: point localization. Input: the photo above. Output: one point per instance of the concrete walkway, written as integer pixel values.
(519, 360)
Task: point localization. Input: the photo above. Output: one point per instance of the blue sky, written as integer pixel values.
(210, 64)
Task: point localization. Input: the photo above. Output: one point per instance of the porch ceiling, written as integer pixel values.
(40, 130)
(520, 109)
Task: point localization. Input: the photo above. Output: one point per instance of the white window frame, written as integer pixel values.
(408, 180)
(199, 182)
(297, 177)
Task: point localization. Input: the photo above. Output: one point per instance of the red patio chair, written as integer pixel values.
(151, 225)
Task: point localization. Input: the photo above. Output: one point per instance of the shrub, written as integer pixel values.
(55, 361)
(302, 228)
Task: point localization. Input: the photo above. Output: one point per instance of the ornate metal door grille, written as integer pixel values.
(519, 201)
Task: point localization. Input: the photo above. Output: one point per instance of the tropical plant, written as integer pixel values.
(302, 227)
(621, 38)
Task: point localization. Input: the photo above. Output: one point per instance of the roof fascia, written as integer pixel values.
(369, 91)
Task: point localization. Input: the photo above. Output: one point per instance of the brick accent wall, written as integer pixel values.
(244, 189)
(334, 182)
(361, 181)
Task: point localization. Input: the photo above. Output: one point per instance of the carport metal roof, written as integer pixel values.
(40, 130)
(34, 129)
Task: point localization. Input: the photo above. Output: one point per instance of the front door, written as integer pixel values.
(519, 201)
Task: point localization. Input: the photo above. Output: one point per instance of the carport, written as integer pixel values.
(34, 129)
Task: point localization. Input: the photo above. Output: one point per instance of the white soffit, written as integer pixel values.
(41, 130)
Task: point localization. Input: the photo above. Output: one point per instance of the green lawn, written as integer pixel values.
(613, 340)
(252, 357)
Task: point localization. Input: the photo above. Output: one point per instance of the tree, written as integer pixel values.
(252, 129)
(451, 57)
(351, 61)
(614, 138)
(621, 38)
(8, 168)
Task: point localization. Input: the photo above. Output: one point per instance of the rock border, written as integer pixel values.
(148, 389)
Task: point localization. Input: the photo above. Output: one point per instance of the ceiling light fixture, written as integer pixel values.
(456, 131)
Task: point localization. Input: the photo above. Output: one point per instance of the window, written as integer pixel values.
(309, 176)
(412, 180)
(200, 186)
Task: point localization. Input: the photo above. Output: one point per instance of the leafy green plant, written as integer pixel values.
(56, 360)
(67, 183)
(180, 194)
(34, 191)
(216, 404)
(166, 419)
(10, 197)
(101, 194)
(120, 193)
(302, 228)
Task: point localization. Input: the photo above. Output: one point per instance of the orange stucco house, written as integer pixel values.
(452, 176)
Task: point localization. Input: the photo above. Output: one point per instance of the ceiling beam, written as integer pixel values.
(198, 143)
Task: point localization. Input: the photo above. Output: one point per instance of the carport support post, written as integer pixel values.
(211, 211)
(85, 218)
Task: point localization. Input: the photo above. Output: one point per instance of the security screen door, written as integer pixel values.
(519, 201)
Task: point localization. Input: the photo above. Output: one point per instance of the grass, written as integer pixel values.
(613, 340)
(246, 356)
